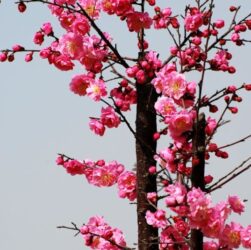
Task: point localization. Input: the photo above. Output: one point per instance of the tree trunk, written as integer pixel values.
(145, 150)
(198, 172)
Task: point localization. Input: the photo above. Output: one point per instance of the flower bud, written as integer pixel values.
(21, 7)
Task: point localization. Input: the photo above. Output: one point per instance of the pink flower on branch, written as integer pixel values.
(109, 117)
(138, 20)
(127, 185)
(101, 236)
(156, 219)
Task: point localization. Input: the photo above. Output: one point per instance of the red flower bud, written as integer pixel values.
(232, 8)
(156, 136)
(21, 7)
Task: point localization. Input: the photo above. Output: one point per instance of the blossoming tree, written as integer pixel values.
(169, 186)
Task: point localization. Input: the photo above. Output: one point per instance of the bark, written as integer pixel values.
(198, 172)
(145, 150)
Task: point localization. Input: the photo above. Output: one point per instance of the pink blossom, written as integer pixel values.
(109, 117)
(246, 237)
(220, 60)
(66, 19)
(105, 176)
(96, 126)
(236, 204)
(63, 62)
(160, 80)
(94, 52)
(74, 167)
(181, 226)
(101, 236)
(71, 45)
(219, 24)
(92, 7)
(60, 160)
(45, 53)
(138, 20)
(216, 220)
(38, 38)
(47, 29)
(231, 235)
(152, 197)
(17, 48)
(80, 26)
(124, 97)
(28, 57)
(235, 37)
(211, 126)
(153, 60)
(176, 199)
(127, 185)
(96, 89)
(165, 106)
(169, 238)
(162, 18)
(3, 57)
(119, 7)
(193, 20)
(210, 245)
(166, 159)
(180, 123)
(156, 219)
(175, 85)
(200, 210)
(177, 194)
(79, 84)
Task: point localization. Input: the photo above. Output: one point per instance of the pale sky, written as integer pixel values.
(41, 117)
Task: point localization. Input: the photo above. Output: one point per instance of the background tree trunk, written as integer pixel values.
(198, 171)
(145, 150)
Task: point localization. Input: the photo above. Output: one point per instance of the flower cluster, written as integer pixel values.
(102, 174)
(99, 235)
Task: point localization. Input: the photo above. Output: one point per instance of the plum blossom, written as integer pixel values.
(193, 20)
(127, 185)
(138, 20)
(96, 126)
(176, 198)
(162, 19)
(109, 117)
(79, 84)
(74, 167)
(246, 237)
(236, 204)
(101, 236)
(169, 238)
(210, 245)
(199, 206)
(160, 79)
(71, 45)
(47, 28)
(156, 219)
(165, 106)
(211, 126)
(96, 89)
(92, 7)
(106, 175)
(63, 62)
(175, 86)
(231, 235)
(166, 159)
(118, 7)
(180, 123)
